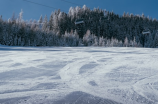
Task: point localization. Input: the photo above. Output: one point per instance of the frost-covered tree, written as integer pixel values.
(88, 39)
(50, 23)
(20, 19)
(101, 41)
(135, 43)
(155, 44)
(71, 12)
(13, 18)
(55, 21)
(45, 23)
(126, 42)
(40, 20)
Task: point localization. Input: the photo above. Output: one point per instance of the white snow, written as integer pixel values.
(99, 74)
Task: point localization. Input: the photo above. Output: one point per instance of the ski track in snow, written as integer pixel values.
(76, 75)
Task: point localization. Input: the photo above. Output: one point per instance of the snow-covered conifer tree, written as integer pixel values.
(55, 21)
(88, 39)
(20, 19)
(156, 40)
(45, 23)
(13, 19)
(134, 42)
(40, 19)
(126, 42)
(40, 22)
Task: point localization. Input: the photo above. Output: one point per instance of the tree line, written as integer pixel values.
(100, 28)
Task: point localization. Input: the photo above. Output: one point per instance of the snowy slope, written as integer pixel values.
(78, 75)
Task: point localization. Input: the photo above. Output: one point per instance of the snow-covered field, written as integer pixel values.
(78, 75)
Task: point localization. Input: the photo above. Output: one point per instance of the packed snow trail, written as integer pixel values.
(95, 75)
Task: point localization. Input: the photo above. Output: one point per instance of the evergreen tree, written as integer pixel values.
(40, 22)
(156, 40)
(126, 42)
(20, 19)
(45, 23)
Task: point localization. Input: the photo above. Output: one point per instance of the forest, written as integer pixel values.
(100, 28)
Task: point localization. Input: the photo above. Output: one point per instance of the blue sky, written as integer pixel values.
(33, 11)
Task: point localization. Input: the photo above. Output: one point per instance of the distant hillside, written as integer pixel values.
(102, 28)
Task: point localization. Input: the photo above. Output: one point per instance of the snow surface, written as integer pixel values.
(78, 75)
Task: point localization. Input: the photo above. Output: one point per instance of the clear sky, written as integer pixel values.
(33, 11)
